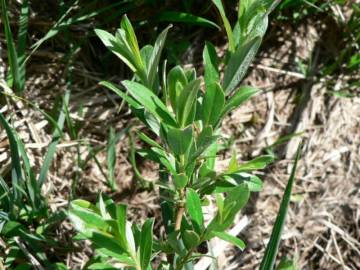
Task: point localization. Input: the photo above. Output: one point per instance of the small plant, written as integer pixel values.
(25, 220)
(185, 119)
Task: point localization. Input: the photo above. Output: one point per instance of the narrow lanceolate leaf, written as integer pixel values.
(12, 54)
(146, 243)
(180, 140)
(152, 65)
(33, 189)
(273, 245)
(150, 101)
(131, 39)
(121, 222)
(174, 16)
(55, 140)
(84, 217)
(121, 94)
(185, 107)
(119, 50)
(253, 182)
(211, 71)
(233, 164)
(176, 81)
(227, 25)
(258, 163)
(190, 238)
(241, 95)
(213, 104)
(15, 158)
(231, 239)
(111, 158)
(239, 63)
(235, 200)
(193, 206)
(180, 180)
(22, 35)
(107, 245)
(203, 142)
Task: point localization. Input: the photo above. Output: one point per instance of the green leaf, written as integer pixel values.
(131, 248)
(150, 101)
(167, 213)
(16, 172)
(233, 164)
(176, 81)
(193, 206)
(111, 159)
(155, 58)
(231, 239)
(109, 246)
(240, 96)
(101, 266)
(121, 211)
(33, 189)
(11, 49)
(226, 23)
(286, 264)
(22, 35)
(203, 142)
(146, 243)
(253, 182)
(239, 63)
(213, 104)
(160, 156)
(55, 140)
(235, 200)
(131, 39)
(258, 163)
(112, 43)
(175, 243)
(148, 140)
(174, 16)
(191, 239)
(185, 107)
(63, 23)
(146, 53)
(211, 72)
(121, 94)
(84, 217)
(180, 180)
(180, 140)
(273, 245)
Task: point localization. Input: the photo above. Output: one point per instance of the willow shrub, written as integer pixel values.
(184, 112)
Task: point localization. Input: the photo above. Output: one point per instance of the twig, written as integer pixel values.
(277, 70)
(32, 259)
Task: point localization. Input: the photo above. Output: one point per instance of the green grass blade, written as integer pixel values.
(33, 191)
(16, 174)
(188, 18)
(226, 23)
(12, 54)
(273, 245)
(111, 159)
(53, 30)
(22, 34)
(55, 139)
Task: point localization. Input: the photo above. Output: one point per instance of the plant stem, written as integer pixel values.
(180, 211)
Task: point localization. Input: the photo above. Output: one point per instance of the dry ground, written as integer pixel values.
(323, 225)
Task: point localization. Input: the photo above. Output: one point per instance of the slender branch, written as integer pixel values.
(180, 211)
